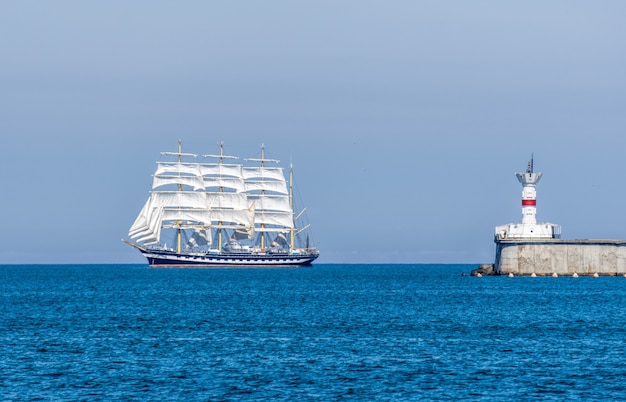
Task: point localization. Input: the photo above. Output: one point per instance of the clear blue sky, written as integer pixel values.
(405, 120)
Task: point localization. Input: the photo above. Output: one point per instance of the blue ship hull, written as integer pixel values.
(164, 259)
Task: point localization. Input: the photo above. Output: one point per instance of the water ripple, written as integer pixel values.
(370, 332)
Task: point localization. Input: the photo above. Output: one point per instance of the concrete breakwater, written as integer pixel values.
(547, 257)
(537, 249)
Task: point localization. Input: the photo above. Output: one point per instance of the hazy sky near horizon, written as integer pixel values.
(405, 120)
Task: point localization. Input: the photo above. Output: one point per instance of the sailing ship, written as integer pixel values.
(221, 213)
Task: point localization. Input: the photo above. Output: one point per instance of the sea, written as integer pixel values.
(366, 332)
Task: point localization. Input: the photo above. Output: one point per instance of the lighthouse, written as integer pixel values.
(537, 249)
(529, 181)
(528, 228)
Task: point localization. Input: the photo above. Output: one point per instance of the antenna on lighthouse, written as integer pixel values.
(531, 164)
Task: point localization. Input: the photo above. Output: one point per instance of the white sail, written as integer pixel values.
(155, 220)
(236, 184)
(283, 219)
(141, 222)
(150, 216)
(139, 232)
(227, 200)
(149, 221)
(243, 217)
(187, 199)
(277, 186)
(190, 215)
(220, 170)
(271, 202)
(192, 181)
(153, 233)
(178, 168)
(259, 172)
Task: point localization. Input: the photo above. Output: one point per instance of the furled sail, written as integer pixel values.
(240, 234)
(199, 238)
(279, 241)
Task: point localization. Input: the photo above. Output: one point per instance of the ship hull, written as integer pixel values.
(168, 259)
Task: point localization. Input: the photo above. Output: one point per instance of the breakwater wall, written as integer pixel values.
(561, 257)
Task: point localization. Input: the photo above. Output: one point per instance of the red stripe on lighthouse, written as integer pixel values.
(529, 203)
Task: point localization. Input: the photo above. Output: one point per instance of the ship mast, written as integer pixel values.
(292, 233)
(180, 188)
(263, 179)
(220, 157)
(179, 156)
(221, 189)
(262, 193)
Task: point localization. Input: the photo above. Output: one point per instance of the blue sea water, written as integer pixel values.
(330, 332)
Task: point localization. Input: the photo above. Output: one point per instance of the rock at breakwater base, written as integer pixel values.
(484, 269)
